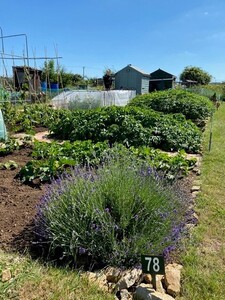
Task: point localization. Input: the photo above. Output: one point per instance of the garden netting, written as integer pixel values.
(92, 99)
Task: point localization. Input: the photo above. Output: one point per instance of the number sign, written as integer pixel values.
(153, 264)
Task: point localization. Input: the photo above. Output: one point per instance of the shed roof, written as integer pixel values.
(161, 74)
(22, 68)
(136, 69)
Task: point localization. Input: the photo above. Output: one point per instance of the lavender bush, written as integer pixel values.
(111, 215)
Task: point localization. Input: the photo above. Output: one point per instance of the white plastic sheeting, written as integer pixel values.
(92, 99)
(3, 132)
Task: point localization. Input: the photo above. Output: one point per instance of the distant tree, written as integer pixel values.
(58, 74)
(49, 72)
(195, 74)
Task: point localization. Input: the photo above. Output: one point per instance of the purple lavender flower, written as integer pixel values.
(82, 250)
(136, 217)
(168, 250)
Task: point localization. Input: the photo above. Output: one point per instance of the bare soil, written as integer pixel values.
(17, 204)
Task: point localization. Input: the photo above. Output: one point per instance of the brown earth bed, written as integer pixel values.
(17, 204)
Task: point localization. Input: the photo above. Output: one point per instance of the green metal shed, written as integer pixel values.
(132, 78)
(161, 80)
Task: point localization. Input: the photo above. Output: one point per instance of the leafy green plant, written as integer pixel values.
(194, 107)
(10, 145)
(9, 165)
(130, 126)
(4, 95)
(49, 160)
(26, 117)
(170, 167)
(110, 215)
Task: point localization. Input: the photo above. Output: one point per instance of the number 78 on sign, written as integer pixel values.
(153, 264)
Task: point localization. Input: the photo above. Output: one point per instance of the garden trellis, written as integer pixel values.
(6, 82)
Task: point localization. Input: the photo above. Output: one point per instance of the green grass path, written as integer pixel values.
(204, 261)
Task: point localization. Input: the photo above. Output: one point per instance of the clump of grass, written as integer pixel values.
(33, 280)
(111, 215)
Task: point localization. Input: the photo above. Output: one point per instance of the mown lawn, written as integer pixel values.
(204, 261)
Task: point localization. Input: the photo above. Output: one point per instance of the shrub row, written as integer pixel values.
(130, 126)
(25, 117)
(194, 107)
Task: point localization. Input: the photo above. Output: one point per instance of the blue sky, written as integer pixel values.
(93, 35)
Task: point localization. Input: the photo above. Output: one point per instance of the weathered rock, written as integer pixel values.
(111, 287)
(192, 218)
(113, 274)
(159, 296)
(159, 286)
(147, 278)
(172, 279)
(125, 295)
(128, 279)
(196, 170)
(194, 194)
(6, 275)
(145, 292)
(99, 278)
(189, 227)
(195, 188)
(197, 182)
